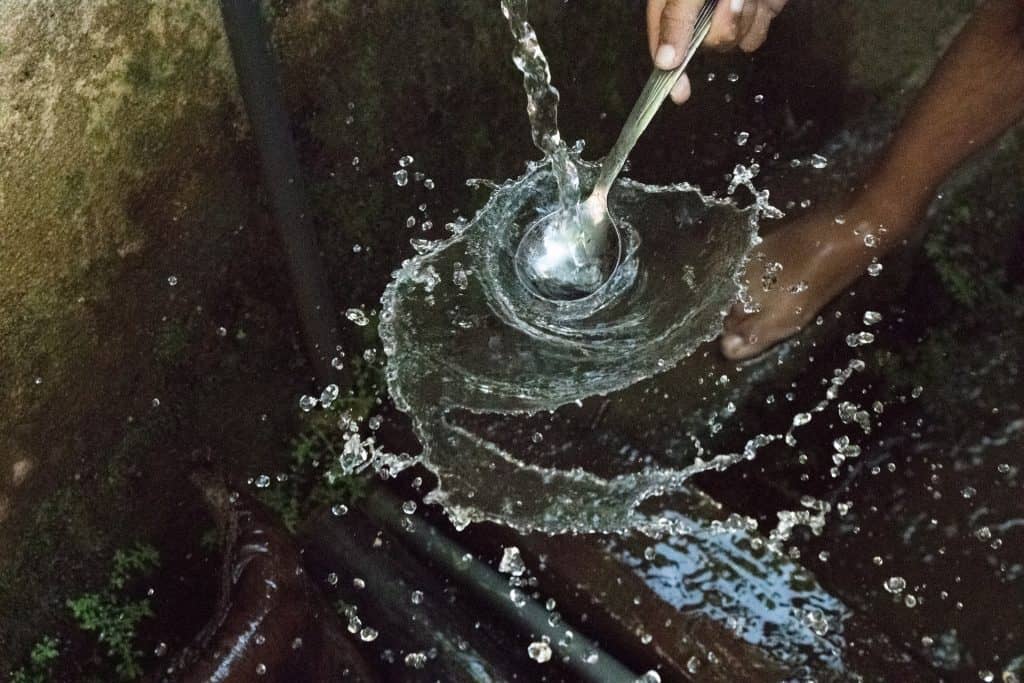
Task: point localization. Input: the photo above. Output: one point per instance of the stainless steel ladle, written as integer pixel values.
(569, 255)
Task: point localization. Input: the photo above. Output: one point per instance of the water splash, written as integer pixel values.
(469, 348)
(465, 340)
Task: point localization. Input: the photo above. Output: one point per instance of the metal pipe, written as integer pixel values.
(257, 73)
(493, 589)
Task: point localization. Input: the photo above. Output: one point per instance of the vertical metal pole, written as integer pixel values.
(258, 81)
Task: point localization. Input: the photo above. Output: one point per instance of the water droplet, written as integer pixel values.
(693, 665)
(405, 161)
(517, 597)
(872, 317)
(816, 620)
(358, 583)
(429, 184)
(401, 177)
(416, 597)
(339, 509)
(368, 635)
(742, 138)
(415, 660)
(332, 579)
(875, 269)
(539, 651)
(409, 507)
(461, 278)
(895, 584)
(511, 562)
(329, 395)
(262, 481)
(357, 316)
(818, 161)
(969, 492)
(261, 669)
(172, 280)
(859, 339)
(307, 403)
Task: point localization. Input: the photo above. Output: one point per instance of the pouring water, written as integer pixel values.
(571, 252)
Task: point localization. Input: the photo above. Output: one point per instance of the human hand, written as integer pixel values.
(737, 23)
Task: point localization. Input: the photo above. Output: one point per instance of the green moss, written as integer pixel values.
(40, 665)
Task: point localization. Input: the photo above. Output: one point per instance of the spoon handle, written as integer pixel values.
(654, 93)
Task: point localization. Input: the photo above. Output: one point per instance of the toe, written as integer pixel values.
(733, 345)
(738, 335)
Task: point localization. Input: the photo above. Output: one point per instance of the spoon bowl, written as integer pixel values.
(565, 256)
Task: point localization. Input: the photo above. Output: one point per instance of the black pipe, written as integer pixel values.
(256, 69)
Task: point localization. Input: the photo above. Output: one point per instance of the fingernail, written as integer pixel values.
(665, 57)
(736, 6)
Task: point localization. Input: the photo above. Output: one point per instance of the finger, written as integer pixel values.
(654, 10)
(737, 334)
(725, 25)
(747, 16)
(675, 32)
(758, 33)
(681, 90)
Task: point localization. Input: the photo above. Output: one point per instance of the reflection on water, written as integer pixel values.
(734, 579)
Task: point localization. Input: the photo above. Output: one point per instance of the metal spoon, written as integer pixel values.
(570, 255)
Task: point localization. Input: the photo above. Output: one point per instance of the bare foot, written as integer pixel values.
(801, 267)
